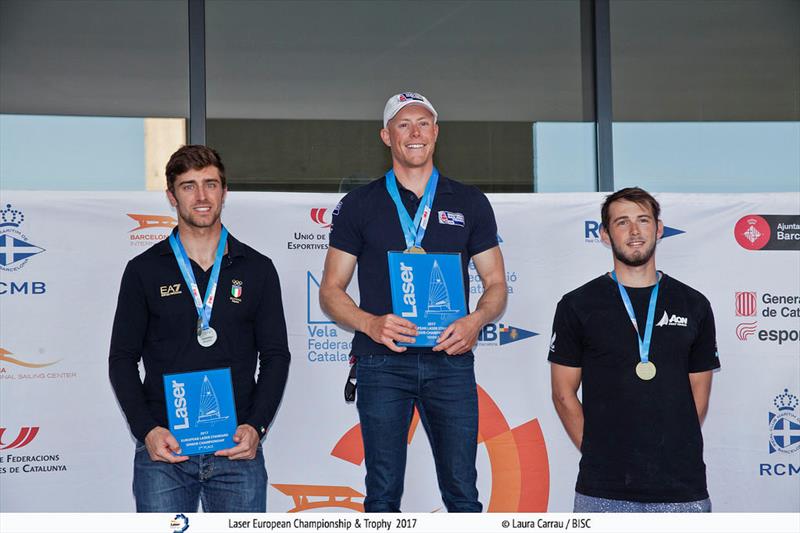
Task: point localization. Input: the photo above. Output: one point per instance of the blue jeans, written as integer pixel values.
(443, 389)
(592, 504)
(221, 484)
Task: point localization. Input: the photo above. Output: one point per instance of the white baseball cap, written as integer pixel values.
(399, 101)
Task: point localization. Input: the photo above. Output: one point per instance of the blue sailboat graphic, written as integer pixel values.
(209, 404)
(438, 295)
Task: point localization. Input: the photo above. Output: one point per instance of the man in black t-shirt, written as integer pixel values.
(642, 347)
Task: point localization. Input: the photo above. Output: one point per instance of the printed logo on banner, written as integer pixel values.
(15, 247)
(318, 216)
(24, 437)
(34, 460)
(778, 312)
(752, 232)
(16, 250)
(522, 486)
(768, 232)
(745, 330)
(25, 368)
(324, 344)
(746, 304)
(308, 238)
(784, 435)
(179, 523)
(151, 229)
(591, 231)
(784, 426)
(499, 334)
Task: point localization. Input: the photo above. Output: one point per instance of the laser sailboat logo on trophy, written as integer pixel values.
(209, 411)
(438, 295)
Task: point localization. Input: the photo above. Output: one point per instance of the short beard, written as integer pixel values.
(646, 256)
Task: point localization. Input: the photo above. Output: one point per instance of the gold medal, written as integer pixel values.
(415, 250)
(646, 371)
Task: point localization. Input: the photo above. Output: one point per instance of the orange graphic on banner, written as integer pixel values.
(4, 357)
(518, 458)
(350, 447)
(336, 497)
(520, 468)
(153, 221)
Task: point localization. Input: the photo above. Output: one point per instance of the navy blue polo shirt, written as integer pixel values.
(366, 225)
(156, 321)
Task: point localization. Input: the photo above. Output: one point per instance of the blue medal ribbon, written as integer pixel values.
(203, 307)
(644, 343)
(413, 230)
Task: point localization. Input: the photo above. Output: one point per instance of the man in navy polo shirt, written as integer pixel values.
(393, 380)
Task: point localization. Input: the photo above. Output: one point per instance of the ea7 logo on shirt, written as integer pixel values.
(451, 219)
(170, 290)
(673, 320)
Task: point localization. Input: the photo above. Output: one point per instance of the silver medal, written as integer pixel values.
(207, 337)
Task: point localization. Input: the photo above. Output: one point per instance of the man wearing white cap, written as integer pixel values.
(413, 211)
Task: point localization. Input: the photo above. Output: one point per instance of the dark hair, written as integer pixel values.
(193, 157)
(631, 194)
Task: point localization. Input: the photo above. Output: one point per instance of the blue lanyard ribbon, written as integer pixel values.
(413, 230)
(203, 306)
(644, 344)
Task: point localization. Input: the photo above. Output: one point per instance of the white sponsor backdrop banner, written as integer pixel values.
(65, 446)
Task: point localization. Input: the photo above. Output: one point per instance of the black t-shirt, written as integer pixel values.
(366, 225)
(641, 439)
